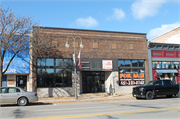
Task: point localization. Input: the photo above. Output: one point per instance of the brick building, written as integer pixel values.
(112, 62)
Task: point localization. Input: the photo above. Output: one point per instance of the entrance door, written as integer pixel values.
(93, 82)
(89, 84)
(97, 86)
(21, 81)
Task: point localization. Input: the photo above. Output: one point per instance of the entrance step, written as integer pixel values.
(93, 95)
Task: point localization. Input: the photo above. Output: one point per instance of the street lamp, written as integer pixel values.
(74, 57)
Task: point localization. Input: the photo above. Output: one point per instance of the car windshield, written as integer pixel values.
(150, 83)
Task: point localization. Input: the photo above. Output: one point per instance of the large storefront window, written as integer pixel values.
(132, 75)
(54, 72)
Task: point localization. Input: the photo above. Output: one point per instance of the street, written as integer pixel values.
(161, 108)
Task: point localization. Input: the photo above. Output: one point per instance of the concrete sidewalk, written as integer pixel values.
(91, 98)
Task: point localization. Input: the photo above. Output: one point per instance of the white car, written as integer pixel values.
(16, 95)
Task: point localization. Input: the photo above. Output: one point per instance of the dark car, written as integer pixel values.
(158, 87)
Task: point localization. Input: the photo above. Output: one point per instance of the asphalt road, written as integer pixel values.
(161, 108)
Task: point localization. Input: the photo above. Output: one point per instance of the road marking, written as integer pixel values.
(114, 113)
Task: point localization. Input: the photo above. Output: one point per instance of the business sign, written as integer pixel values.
(107, 65)
(17, 66)
(131, 78)
(11, 82)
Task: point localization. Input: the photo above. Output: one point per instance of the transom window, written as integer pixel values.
(165, 65)
(131, 63)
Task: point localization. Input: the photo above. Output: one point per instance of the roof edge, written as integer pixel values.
(88, 30)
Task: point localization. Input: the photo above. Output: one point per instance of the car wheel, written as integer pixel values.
(149, 95)
(178, 94)
(22, 101)
(169, 96)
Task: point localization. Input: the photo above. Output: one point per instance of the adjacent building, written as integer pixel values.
(17, 74)
(112, 62)
(164, 56)
(164, 61)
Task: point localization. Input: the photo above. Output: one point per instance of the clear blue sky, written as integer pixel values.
(153, 17)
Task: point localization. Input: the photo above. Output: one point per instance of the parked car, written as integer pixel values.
(158, 87)
(16, 95)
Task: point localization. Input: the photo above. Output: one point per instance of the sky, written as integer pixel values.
(153, 17)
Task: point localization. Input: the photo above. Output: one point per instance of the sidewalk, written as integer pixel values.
(87, 99)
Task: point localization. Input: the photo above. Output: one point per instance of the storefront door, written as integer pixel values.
(21, 81)
(93, 82)
(89, 84)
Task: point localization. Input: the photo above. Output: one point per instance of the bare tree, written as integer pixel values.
(17, 35)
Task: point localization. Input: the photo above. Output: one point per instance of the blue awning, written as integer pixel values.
(167, 71)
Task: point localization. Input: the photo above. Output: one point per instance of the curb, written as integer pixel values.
(82, 101)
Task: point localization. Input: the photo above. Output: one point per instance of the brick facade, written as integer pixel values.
(100, 44)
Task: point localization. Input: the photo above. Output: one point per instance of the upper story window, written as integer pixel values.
(159, 46)
(171, 47)
(176, 47)
(165, 47)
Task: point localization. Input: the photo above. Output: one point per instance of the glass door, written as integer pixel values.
(21, 81)
(97, 85)
(89, 84)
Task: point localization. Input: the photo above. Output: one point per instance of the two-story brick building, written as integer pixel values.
(112, 62)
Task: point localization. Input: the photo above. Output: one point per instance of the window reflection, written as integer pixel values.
(175, 65)
(49, 62)
(41, 62)
(141, 63)
(166, 65)
(135, 63)
(127, 63)
(63, 77)
(156, 65)
(63, 62)
(121, 63)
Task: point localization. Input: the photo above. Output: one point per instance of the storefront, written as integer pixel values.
(17, 74)
(165, 61)
(109, 63)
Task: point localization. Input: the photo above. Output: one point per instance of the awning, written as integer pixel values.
(166, 71)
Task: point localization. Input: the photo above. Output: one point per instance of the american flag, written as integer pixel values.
(79, 56)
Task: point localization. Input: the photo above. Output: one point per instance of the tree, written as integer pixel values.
(17, 35)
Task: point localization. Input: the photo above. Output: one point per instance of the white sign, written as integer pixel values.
(107, 65)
